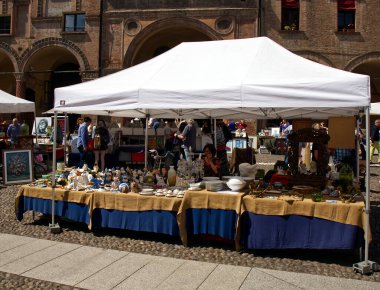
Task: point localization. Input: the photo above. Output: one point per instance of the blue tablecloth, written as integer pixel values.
(74, 211)
(156, 221)
(215, 222)
(297, 232)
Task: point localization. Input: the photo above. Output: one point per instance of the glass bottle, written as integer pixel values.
(172, 176)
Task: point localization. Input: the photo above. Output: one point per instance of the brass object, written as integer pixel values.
(256, 190)
(350, 195)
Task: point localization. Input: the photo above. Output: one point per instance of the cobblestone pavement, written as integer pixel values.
(327, 263)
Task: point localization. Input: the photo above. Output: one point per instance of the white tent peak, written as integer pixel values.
(224, 78)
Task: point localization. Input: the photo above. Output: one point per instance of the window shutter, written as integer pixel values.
(346, 5)
(290, 4)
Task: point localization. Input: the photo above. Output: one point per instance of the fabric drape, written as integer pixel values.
(290, 4)
(346, 5)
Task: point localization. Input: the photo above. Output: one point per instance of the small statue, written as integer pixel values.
(303, 168)
(313, 167)
(115, 183)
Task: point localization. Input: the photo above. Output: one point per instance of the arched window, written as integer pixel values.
(290, 14)
(346, 15)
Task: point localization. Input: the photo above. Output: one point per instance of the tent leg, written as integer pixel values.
(54, 227)
(366, 266)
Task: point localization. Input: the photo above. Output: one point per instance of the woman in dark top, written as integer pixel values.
(101, 140)
(210, 162)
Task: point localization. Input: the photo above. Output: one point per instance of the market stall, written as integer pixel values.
(70, 204)
(269, 223)
(246, 78)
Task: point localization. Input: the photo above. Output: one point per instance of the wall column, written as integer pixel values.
(20, 85)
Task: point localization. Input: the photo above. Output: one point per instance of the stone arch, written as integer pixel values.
(314, 56)
(12, 54)
(367, 57)
(164, 24)
(52, 41)
(368, 64)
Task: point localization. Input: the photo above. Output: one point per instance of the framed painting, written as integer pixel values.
(41, 125)
(17, 166)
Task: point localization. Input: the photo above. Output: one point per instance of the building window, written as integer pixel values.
(5, 24)
(346, 15)
(290, 14)
(74, 22)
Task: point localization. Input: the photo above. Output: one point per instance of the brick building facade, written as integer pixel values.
(45, 44)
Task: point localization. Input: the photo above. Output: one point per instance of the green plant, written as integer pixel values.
(316, 196)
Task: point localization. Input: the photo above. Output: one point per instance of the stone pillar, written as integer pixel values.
(20, 92)
(20, 85)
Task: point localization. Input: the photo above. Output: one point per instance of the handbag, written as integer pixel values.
(97, 141)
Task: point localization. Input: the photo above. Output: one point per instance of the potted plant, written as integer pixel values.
(350, 27)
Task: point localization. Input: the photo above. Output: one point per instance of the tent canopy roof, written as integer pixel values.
(252, 77)
(12, 104)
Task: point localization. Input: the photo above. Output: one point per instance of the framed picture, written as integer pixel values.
(17, 166)
(41, 125)
(62, 123)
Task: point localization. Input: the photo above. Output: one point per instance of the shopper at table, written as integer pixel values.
(83, 139)
(59, 137)
(223, 135)
(24, 129)
(375, 140)
(210, 162)
(168, 136)
(13, 131)
(101, 140)
(188, 137)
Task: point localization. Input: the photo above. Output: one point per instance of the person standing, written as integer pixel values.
(375, 140)
(168, 135)
(223, 135)
(24, 129)
(101, 140)
(13, 131)
(189, 137)
(83, 139)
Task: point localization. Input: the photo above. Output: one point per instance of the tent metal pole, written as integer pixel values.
(214, 134)
(366, 266)
(65, 126)
(54, 228)
(367, 187)
(357, 150)
(146, 141)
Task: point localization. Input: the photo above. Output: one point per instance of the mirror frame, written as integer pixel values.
(314, 136)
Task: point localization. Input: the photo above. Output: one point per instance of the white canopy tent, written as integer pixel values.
(231, 78)
(245, 78)
(12, 104)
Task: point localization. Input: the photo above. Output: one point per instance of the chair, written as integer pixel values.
(239, 156)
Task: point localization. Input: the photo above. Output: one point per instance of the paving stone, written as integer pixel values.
(225, 277)
(75, 266)
(38, 258)
(24, 250)
(257, 279)
(189, 275)
(152, 274)
(117, 272)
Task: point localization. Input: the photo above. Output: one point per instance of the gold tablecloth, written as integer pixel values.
(209, 200)
(60, 194)
(351, 213)
(135, 202)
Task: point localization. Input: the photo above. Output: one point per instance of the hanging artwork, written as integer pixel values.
(17, 166)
